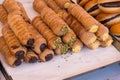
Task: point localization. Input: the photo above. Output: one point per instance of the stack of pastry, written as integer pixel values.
(21, 41)
(61, 26)
(107, 12)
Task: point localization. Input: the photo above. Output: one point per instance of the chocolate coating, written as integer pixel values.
(109, 19)
(30, 42)
(33, 60)
(43, 47)
(17, 62)
(111, 4)
(95, 7)
(48, 57)
(20, 54)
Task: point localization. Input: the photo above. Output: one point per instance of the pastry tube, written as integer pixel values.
(11, 6)
(11, 60)
(53, 20)
(107, 42)
(102, 33)
(89, 23)
(109, 6)
(40, 43)
(24, 13)
(94, 45)
(108, 19)
(52, 40)
(77, 46)
(86, 37)
(38, 5)
(92, 8)
(13, 43)
(115, 29)
(63, 3)
(3, 14)
(62, 49)
(19, 27)
(46, 55)
(69, 38)
(30, 57)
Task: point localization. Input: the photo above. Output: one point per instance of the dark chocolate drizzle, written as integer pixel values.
(48, 57)
(109, 19)
(95, 7)
(111, 4)
(14, 47)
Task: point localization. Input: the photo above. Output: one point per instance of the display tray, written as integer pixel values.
(61, 66)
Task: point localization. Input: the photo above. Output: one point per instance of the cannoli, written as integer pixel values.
(46, 55)
(77, 46)
(109, 6)
(52, 40)
(3, 14)
(107, 42)
(24, 13)
(69, 38)
(115, 29)
(40, 43)
(19, 27)
(86, 37)
(13, 43)
(11, 60)
(82, 2)
(102, 33)
(52, 19)
(11, 6)
(94, 45)
(108, 19)
(30, 57)
(92, 8)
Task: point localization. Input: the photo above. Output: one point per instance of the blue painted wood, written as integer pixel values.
(111, 72)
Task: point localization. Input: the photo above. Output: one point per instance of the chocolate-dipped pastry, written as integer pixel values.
(92, 8)
(19, 27)
(3, 14)
(46, 55)
(115, 29)
(109, 6)
(13, 43)
(30, 57)
(40, 43)
(108, 19)
(11, 60)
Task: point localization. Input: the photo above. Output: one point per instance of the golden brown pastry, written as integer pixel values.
(92, 8)
(11, 6)
(19, 27)
(107, 42)
(13, 43)
(30, 57)
(46, 55)
(108, 19)
(52, 40)
(3, 14)
(11, 60)
(52, 19)
(109, 6)
(115, 29)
